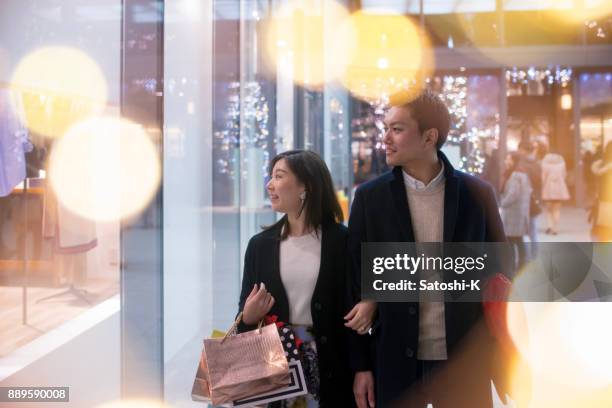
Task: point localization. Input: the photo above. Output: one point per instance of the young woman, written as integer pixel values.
(515, 199)
(296, 269)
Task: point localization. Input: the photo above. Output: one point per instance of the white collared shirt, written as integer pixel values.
(413, 183)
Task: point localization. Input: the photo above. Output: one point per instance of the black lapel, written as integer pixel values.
(451, 209)
(451, 199)
(324, 267)
(400, 201)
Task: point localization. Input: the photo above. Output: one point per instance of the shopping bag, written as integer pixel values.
(299, 351)
(241, 365)
(296, 388)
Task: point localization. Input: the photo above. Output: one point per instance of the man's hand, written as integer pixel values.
(257, 305)
(363, 389)
(361, 316)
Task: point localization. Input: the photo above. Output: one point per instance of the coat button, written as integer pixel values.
(323, 339)
(412, 310)
(318, 306)
(409, 352)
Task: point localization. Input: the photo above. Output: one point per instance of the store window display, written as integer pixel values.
(54, 265)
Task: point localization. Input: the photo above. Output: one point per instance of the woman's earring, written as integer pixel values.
(303, 195)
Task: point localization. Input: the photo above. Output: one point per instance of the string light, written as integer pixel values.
(558, 75)
(254, 126)
(471, 141)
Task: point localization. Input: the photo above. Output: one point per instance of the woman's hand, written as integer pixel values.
(257, 305)
(361, 316)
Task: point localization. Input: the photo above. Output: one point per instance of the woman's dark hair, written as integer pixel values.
(321, 203)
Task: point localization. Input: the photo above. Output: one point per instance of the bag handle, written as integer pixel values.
(235, 326)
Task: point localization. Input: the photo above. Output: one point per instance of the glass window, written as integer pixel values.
(60, 69)
(473, 102)
(595, 114)
(337, 143)
(367, 150)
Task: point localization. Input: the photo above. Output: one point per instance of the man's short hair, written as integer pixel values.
(430, 112)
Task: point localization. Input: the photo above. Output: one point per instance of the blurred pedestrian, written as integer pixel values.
(533, 167)
(515, 197)
(554, 189)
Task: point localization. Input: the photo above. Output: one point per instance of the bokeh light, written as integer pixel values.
(301, 38)
(58, 87)
(391, 58)
(105, 169)
(582, 12)
(577, 364)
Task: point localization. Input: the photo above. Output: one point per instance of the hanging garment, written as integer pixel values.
(13, 146)
(71, 233)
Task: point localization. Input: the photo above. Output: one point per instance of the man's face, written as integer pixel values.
(403, 141)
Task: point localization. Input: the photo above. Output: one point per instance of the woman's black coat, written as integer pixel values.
(328, 305)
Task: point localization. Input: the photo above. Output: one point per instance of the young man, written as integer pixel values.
(423, 351)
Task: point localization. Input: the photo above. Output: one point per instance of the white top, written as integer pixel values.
(426, 203)
(300, 259)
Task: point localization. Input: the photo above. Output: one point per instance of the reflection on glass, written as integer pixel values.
(59, 273)
(104, 169)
